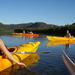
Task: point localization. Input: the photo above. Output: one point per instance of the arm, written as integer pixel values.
(8, 54)
(69, 35)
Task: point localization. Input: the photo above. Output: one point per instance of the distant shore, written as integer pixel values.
(38, 27)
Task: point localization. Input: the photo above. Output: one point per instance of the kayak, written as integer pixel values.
(28, 47)
(54, 43)
(30, 60)
(25, 34)
(55, 38)
(33, 58)
(69, 63)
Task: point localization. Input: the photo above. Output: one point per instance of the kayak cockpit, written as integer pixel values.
(10, 49)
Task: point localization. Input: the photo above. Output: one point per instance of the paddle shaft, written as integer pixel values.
(31, 52)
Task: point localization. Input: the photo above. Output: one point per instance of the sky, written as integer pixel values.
(58, 12)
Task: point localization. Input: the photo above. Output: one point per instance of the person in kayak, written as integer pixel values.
(31, 32)
(68, 35)
(8, 54)
(24, 31)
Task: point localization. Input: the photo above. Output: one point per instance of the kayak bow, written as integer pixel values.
(29, 47)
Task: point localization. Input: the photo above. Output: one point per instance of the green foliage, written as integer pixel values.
(37, 27)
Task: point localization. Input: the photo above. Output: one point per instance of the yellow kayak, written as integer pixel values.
(29, 47)
(31, 59)
(55, 38)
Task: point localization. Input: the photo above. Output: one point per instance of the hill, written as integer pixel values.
(37, 27)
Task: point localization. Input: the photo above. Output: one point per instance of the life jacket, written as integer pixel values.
(67, 35)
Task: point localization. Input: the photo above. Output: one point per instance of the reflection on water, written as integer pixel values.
(54, 43)
(68, 62)
(67, 46)
(33, 58)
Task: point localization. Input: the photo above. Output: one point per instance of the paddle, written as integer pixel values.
(31, 52)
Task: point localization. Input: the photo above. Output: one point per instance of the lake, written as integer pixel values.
(47, 61)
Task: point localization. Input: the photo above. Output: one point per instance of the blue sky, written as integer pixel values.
(59, 12)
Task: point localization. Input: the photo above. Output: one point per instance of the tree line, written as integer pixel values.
(37, 27)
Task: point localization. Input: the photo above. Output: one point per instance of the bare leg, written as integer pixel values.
(8, 54)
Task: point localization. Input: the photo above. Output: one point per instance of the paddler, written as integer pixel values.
(68, 35)
(8, 54)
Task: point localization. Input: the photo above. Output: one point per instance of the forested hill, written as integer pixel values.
(9, 28)
(28, 25)
(37, 27)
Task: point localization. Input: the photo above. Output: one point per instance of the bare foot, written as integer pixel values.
(22, 64)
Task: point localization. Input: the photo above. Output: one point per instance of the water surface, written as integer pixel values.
(50, 63)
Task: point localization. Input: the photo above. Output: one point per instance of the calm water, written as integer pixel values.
(43, 63)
